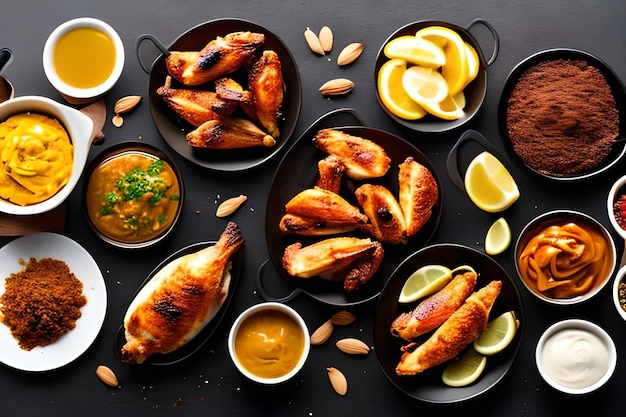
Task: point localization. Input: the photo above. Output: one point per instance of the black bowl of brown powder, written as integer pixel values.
(561, 112)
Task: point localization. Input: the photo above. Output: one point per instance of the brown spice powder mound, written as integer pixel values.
(562, 117)
(41, 302)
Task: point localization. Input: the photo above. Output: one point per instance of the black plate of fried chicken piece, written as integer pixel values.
(298, 171)
(428, 386)
(195, 344)
(174, 128)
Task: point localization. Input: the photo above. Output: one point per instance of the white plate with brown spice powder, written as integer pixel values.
(69, 346)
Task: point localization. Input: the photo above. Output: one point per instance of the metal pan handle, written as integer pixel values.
(496, 38)
(265, 295)
(151, 38)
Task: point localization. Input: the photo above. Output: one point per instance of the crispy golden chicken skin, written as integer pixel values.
(195, 106)
(325, 206)
(265, 82)
(180, 300)
(436, 309)
(229, 133)
(306, 226)
(351, 259)
(361, 157)
(330, 173)
(418, 194)
(386, 221)
(222, 55)
(459, 330)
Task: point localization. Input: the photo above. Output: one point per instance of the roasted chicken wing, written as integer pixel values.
(331, 172)
(418, 194)
(265, 81)
(361, 157)
(436, 309)
(321, 205)
(195, 106)
(386, 221)
(305, 226)
(222, 55)
(180, 300)
(364, 269)
(459, 330)
(229, 133)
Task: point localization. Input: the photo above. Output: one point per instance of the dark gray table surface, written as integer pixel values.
(208, 383)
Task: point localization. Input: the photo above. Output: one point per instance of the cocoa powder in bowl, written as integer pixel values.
(562, 117)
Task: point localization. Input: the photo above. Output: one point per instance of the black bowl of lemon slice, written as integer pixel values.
(431, 76)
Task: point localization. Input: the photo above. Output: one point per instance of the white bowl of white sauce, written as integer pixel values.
(576, 356)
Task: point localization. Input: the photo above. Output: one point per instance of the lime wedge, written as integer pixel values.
(465, 370)
(425, 281)
(498, 334)
(498, 237)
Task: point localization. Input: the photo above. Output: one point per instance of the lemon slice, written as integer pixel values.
(489, 184)
(498, 237)
(450, 108)
(473, 62)
(465, 370)
(425, 281)
(392, 93)
(424, 85)
(498, 334)
(415, 50)
(455, 69)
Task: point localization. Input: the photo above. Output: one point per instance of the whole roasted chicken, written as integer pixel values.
(180, 300)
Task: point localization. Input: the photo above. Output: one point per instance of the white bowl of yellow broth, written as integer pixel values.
(43, 148)
(269, 343)
(565, 257)
(133, 195)
(83, 58)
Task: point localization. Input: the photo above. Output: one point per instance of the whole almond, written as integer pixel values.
(350, 53)
(326, 38)
(343, 318)
(107, 376)
(229, 206)
(313, 41)
(117, 120)
(126, 104)
(353, 346)
(337, 380)
(336, 87)
(322, 333)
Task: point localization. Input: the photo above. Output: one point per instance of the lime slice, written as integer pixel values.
(425, 281)
(498, 334)
(465, 370)
(489, 184)
(498, 237)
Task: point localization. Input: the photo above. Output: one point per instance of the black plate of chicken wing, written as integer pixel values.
(299, 171)
(174, 128)
(428, 385)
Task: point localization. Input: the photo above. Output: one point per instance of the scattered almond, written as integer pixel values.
(343, 318)
(117, 120)
(350, 53)
(337, 380)
(326, 38)
(353, 346)
(336, 87)
(322, 333)
(313, 41)
(229, 206)
(126, 104)
(107, 376)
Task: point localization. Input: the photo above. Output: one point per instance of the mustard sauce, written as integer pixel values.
(36, 158)
(269, 344)
(133, 197)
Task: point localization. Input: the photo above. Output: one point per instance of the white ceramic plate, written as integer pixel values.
(73, 344)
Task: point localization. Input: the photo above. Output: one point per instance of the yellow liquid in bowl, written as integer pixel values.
(84, 57)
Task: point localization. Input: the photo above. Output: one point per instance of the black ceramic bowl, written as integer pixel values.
(618, 150)
(173, 130)
(107, 155)
(474, 93)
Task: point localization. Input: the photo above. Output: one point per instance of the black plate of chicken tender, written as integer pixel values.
(427, 385)
(362, 260)
(211, 100)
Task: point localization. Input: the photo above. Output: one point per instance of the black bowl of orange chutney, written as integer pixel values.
(133, 195)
